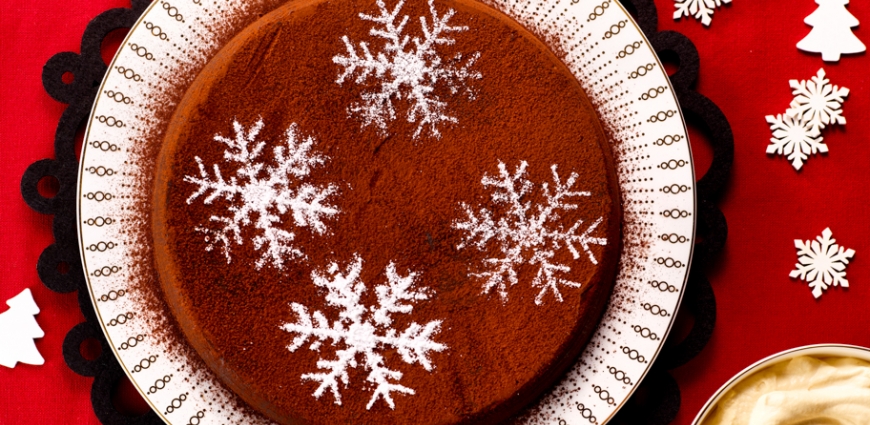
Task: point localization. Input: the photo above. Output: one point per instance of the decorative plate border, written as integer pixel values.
(87, 67)
(606, 51)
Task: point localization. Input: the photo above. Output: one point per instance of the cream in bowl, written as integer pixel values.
(821, 384)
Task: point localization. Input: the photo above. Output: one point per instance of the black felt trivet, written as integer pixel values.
(656, 402)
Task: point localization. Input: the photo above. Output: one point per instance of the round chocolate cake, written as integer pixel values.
(385, 213)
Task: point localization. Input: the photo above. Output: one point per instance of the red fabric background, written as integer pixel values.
(747, 57)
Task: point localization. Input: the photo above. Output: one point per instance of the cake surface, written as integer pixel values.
(409, 230)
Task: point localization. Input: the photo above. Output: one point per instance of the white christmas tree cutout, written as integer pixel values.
(261, 195)
(527, 234)
(822, 263)
(700, 9)
(832, 31)
(406, 70)
(18, 328)
(816, 105)
(364, 332)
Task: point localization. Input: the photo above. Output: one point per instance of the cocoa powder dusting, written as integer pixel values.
(143, 288)
(398, 198)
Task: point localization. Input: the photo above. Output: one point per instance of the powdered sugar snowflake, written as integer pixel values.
(822, 263)
(405, 71)
(818, 101)
(260, 194)
(526, 235)
(700, 9)
(794, 138)
(364, 331)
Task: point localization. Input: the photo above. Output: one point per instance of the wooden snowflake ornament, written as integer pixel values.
(18, 328)
(700, 9)
(822, 263)
(832, 31)
(794, 138)
(797, 133)
(818, 101)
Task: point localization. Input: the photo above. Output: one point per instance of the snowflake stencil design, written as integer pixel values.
(527, 234)
(822, 263)
(794, 138)
(261, 195)
(700, 9)
(406, 70)
(818, 101)
(364, 331)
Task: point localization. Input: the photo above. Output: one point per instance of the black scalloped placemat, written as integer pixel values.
(59, 266)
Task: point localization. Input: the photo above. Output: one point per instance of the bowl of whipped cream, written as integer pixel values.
(813, 384)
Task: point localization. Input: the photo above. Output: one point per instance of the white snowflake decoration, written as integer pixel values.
(818, 101)
(261, 195)
(407, 71)
(527, 235)
(700, 9)
(822, 263)
(364, 331)
(794, 138)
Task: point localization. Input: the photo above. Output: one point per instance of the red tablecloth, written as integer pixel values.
(747, 57)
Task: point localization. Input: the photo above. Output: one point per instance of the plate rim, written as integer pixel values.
(151, 402)
(79, 216)
(694, 215)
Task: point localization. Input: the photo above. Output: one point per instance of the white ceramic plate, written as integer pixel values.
(817, 350)
(609, 56)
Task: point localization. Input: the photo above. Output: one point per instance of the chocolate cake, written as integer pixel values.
(384, 213)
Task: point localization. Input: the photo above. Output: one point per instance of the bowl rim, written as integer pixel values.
(815, 350)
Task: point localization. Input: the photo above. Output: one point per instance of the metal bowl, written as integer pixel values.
(816, 350)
